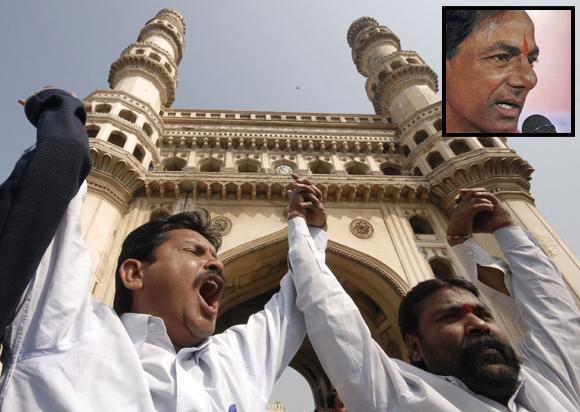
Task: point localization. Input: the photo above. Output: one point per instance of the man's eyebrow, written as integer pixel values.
(503, 46)
(197, 244)
(511, 50)
(456, 308)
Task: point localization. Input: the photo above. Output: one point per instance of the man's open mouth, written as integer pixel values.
(211, 291)
(509, 107)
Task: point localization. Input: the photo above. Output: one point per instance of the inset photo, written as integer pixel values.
(508, 71)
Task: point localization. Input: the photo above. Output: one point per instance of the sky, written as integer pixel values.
(246, 55)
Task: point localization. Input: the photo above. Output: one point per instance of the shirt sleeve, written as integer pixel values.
(552, 341)
(37, 193)
(270, 339)
(46, 267)
(362, 373)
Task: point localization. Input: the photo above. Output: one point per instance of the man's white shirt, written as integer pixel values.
(64, 352)
(368, 380)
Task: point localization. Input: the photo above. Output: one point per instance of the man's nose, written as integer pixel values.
(523, 76)
(214, 265)
(474, 324)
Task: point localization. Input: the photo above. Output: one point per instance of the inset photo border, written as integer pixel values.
(508, 71)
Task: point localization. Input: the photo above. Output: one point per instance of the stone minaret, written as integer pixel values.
(399, 83)
(147, 69)
(125, 128)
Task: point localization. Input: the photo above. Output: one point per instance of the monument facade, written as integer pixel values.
(388, 179)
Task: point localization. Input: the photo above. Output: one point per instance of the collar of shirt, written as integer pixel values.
(151, 329)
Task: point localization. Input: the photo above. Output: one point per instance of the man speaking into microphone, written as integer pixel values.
(489, 69)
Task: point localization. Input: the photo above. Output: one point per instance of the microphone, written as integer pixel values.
(537, 123)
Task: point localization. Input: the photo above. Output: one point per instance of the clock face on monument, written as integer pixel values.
(283, 170)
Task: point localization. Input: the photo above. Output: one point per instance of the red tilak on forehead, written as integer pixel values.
(467, 308)
(526, 47)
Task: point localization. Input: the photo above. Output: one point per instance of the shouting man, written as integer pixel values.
(63, 352)
(460, 358)
(489, 59)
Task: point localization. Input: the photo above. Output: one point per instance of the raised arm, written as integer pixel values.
(362, 373)
(270, 339)
(546, 306)
(35, 196)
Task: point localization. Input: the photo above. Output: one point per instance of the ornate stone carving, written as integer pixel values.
(222, 225)
(361, 228)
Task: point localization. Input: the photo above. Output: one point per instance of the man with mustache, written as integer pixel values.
(489, 59)
(63, 352)
(460, 359)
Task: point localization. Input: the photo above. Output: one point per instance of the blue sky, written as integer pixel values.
(246, 55)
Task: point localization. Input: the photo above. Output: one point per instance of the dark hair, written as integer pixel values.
(461, 23)
(142, 243)
(411, 305)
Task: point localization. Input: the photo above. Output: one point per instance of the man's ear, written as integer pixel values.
(414, 347)
(131, 274)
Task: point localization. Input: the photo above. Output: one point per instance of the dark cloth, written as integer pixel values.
(35, 196)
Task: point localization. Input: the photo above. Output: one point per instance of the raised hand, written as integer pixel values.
(477, 211)
(306, 201)
(498, 217)
(86, 105)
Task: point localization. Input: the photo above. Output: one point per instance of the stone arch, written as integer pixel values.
(442, 268)
(396, 65)
(103, 108)
(173, 164)
(147, 129)
(421, 225)
(92, 130)
(459, 146)
(248, 166)
(253, 272)
(320, 167)
(435, 159)
(210, 164)
(139, 153)
(389, 169)
(117, 138)
(486, 141)
(357, 168)
(128, 115)
(420, 137)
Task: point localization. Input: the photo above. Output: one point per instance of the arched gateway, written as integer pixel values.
(253, 272)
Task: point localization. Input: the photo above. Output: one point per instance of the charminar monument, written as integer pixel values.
(388, 179)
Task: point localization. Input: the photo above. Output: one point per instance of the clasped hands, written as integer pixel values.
(476, 211)
(305, 201)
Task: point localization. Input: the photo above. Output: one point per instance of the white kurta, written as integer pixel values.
(66, 353)
(368, 380)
